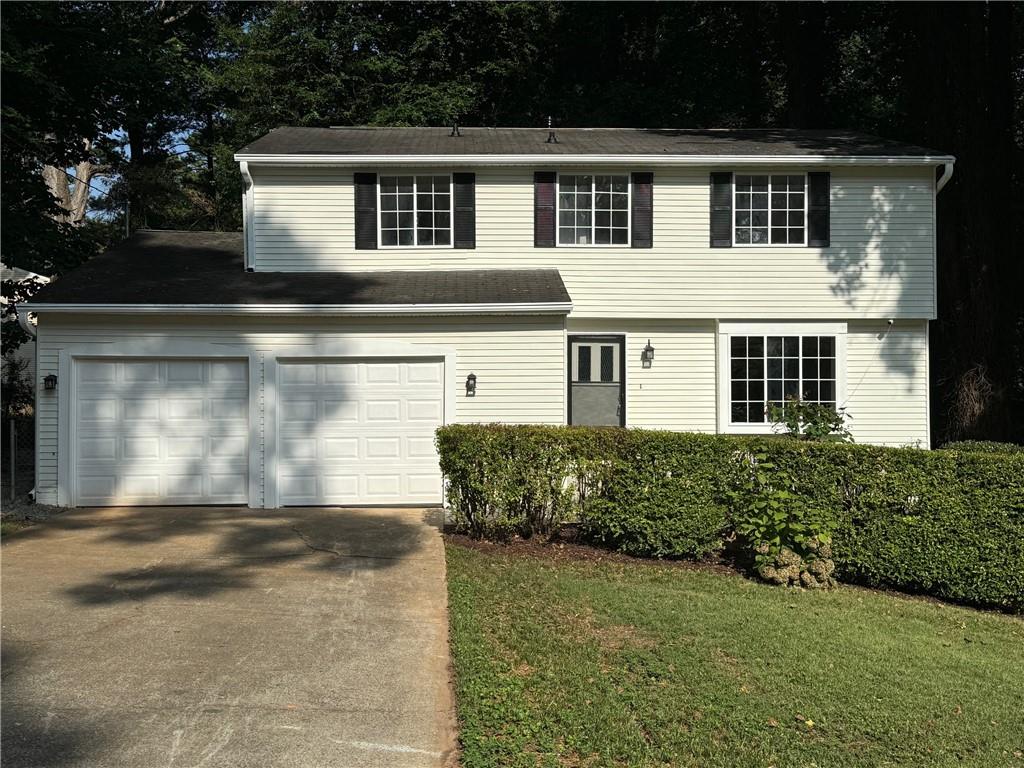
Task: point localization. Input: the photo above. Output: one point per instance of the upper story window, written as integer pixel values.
(593, 209)
(415, 210)
(770, 209)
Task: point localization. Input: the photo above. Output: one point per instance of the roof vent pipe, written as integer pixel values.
(455, 131)
(552, 139)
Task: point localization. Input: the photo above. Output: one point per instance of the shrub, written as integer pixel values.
(789, 538)
(660, 494)
(505, 481)
(811, 421)
(983, 446)
(947, 523)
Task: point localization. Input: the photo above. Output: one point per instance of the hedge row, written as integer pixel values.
(946, 523)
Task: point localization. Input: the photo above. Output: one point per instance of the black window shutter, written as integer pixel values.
(643, 210)
(721, 210)
(465, 210)
(544, 209)
(818, 209)
(366, 210)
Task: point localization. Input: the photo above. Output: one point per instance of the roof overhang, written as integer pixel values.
(525, 308)
(626, 160)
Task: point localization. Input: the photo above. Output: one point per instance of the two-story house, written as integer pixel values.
(389, 280)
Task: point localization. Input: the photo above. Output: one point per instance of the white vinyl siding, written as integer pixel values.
(519, 361)
(887, 383)
(880, 262)
(678, 391)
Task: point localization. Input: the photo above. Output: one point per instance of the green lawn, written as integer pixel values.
(570, 663)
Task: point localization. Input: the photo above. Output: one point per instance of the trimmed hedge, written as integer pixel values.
(983, 446)
(946, 523)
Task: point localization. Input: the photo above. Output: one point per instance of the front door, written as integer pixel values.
(597, 381)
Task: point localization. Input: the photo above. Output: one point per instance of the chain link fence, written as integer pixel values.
(18, 448)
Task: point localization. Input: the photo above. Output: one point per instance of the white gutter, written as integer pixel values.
(947, 174)
(549, 308)
(553, 159)
(22, 314)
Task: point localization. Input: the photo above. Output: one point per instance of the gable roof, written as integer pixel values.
(160, 269)
(634, 142)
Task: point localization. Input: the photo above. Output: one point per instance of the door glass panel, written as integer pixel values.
(583, 366)
(607, 363)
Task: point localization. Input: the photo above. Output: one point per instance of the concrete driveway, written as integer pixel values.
(188, 636)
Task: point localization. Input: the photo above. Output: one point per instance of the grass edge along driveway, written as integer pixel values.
(582, 663)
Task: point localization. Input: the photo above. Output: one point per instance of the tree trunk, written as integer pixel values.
(72, 193)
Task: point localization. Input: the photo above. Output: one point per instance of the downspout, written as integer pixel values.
(247, 215)
(947, 174)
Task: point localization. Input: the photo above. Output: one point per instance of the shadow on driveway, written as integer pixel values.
(170, 636)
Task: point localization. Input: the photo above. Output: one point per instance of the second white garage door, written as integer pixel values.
(359, 431)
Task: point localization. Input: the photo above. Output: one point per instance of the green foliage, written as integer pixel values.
(811, 421)
(16, 387)
(504, 483)
(946, 523)
(983, 446)
(784, 533)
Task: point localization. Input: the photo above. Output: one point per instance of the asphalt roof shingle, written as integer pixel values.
(159, 267)
(578, 141)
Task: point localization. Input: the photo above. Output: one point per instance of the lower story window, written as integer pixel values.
(770, 369)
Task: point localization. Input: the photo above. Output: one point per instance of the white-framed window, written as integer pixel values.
(769, 209)
(766, 363)
(415, 210)
(594, 209)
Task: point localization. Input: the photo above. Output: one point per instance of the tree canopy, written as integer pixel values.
(146, 102)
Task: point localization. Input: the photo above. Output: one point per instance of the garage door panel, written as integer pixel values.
(164, 432)
(97, 410)
(298, 411)
(424, 410)
(340, 447)
(140, 372)
(370, 438)
(383, 373)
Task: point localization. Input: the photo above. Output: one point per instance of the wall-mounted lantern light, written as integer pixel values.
(50, 382)
(471, 385)
(647, 357)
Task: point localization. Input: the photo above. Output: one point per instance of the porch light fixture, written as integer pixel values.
(50, 382)
(471, 385)
(647, 357)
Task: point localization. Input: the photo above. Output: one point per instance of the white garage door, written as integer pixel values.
(161, 432)
(359, 432)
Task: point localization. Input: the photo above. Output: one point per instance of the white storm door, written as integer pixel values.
(359, 431)
(161, 431)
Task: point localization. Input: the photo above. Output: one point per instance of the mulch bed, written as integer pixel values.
(564, 546)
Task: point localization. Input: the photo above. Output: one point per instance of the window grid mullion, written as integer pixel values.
(800, 352)
(764, 342)
(415, 210)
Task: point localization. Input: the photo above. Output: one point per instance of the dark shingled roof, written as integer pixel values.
(155, 267)
(577, 141)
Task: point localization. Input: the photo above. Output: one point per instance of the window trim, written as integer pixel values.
(415, 210)
(593, 223)
(769, 244)
(726, 330)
